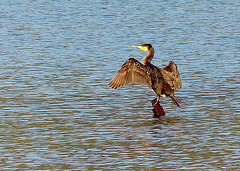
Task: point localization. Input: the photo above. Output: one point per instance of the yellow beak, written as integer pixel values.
(141, 47)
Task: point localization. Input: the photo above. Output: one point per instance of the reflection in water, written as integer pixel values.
(57, 112)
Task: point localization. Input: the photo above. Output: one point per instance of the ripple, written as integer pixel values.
(57, 110)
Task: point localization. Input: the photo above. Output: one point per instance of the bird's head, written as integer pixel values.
(145, 47)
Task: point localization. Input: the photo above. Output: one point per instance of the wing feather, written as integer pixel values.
(131, 71)
(171, 75)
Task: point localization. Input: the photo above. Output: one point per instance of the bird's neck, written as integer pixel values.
(149, 57)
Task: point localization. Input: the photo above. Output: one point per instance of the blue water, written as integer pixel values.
(57, 112)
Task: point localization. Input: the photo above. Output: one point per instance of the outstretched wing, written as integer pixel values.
(131, 71)
(171, 75)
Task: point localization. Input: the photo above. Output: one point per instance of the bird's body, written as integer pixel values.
(163, 81)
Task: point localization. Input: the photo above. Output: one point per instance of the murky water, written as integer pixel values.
(57, 112)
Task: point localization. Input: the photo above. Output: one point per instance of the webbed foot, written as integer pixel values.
(155, 101)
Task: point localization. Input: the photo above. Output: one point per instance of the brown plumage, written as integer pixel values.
(163, 81)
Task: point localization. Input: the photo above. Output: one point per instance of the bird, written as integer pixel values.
(162, 81)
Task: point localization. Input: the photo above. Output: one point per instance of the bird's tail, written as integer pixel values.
(176, 101)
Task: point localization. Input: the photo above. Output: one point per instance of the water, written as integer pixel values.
(57, 112)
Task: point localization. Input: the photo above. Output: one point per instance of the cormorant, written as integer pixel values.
(163, 81)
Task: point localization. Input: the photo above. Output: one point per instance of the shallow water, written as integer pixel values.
(58, 113)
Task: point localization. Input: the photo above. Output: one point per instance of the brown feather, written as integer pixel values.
(171, 75)
(163, 81)
(131, 71)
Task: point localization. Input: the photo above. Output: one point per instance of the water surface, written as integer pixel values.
(57, 112)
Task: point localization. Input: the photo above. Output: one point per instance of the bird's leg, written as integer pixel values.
(158, 98)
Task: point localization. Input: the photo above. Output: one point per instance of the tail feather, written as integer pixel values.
(176, 102)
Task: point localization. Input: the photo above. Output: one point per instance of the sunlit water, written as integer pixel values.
(57, 112)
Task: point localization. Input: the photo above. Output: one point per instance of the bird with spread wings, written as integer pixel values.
(163, 81)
